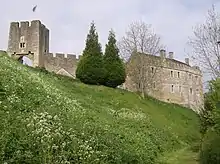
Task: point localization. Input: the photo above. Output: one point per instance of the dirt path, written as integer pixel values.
(182, 156)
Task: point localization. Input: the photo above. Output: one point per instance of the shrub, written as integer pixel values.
(115, 70)
(210, 123)
(210, 152)
(90, 69)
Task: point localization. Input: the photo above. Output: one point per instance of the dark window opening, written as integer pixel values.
(20, 59)
(152, 69)
(178, 74)
(171, 73)
(190, 76)
(191, 90)
(22, 45)
(172, 88)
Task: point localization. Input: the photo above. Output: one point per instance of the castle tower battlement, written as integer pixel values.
(29, 37)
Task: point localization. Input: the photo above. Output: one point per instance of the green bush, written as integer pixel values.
(210, 125)
(90, 69)
(210, 152)
(115, 69)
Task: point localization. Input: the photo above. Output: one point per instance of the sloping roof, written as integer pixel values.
(64, 72)
(158, 57)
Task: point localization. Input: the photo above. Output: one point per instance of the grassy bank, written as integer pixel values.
(45, 118)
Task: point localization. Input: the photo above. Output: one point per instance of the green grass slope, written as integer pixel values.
(46, 118)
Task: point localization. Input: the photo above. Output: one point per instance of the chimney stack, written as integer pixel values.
(171, 55)
(187, 61)
(163, 53)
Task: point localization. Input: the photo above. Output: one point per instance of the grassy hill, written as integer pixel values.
(46, 118)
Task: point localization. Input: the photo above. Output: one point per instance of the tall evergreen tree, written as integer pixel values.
(114, 66)
(90, 69)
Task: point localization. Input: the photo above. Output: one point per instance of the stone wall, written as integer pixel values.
(59, 62)
(167, 79)
(27, 37)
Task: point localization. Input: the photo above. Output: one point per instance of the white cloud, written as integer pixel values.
(69, 20)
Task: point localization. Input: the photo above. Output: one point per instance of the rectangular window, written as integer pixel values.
(152, 69)
(191, 91)
(172, 88)
(171, 73)
(22, 45)
(22, 39)
(154, 85)
(178, 74)
(189, 76)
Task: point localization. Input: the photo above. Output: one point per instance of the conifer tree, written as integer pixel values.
(114, 66)
(90, 68)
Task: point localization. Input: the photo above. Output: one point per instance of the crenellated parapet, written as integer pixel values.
(25, 37)
(56, 61)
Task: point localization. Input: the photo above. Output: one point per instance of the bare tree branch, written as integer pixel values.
(140, 39)
(205, 44)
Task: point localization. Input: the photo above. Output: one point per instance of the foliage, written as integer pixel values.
(114, 66)
(49, 118)
(90, 69)
(209, 117)
(206, 115)
(210, 152)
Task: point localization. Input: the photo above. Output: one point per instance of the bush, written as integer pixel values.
(90, 69)
(115, 70)
(210, 123)
(210, 152)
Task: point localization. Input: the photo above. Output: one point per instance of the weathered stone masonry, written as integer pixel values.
(168, 80)
(32, 40)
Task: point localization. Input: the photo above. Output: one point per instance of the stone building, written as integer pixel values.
(32, 41)
(166, 79)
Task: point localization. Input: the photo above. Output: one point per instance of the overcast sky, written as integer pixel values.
(69, 20)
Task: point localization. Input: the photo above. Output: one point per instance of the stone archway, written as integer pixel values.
(24, 58)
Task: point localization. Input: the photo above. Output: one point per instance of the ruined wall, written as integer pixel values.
(27, 37)
(59, 63)
(168, 79)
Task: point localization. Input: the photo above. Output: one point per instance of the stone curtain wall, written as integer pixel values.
(58, 61)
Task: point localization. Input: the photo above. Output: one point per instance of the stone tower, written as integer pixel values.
(30, 40)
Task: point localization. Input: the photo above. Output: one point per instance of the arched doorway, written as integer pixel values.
(24, 58)
(25, 61)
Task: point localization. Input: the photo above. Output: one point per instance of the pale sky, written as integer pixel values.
(69, 20)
